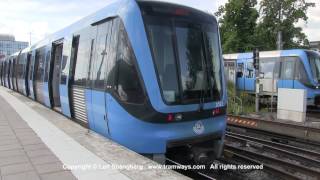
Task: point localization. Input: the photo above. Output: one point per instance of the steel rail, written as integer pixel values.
(279, 145)
(282, 163)
(301, 158)
(275, 135)
(268, 167)
(193, 171)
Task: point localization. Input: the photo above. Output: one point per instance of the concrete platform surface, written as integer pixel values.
(38, 143)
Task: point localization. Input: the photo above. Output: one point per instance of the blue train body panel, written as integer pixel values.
(312, 86)
(97, 110)
(64, 99)
(107, 115)
(46, 94)
(150, 137)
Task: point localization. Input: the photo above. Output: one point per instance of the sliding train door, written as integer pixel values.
(250, 80)
(54, 76)
(240, 76)
(27, 74)
(31, 75)
(38, 81)
(98, 70)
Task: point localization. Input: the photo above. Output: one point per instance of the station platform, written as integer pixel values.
(38, 143)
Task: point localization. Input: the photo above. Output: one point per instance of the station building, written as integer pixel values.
(315, 45)
(8, 45)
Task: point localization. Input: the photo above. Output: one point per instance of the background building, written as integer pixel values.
(315, 45)
(8, 45)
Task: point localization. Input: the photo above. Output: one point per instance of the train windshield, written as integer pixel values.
(314, 60)
(187, 57)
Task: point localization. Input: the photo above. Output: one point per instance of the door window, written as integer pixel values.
(240, 70)
(250, 70)
(287, 68)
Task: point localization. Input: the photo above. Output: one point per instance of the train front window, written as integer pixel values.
(187, 57)
(314, 60)
(194, 78)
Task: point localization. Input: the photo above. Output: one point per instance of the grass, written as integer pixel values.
(239, 102)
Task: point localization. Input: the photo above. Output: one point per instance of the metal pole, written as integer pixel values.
(279, 35)
(30, 38)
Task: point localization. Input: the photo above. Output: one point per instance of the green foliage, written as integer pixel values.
(243, 28)
(242, 103)
(282, 16)
(237, 25)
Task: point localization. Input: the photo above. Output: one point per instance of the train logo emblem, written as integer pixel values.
(198, 128)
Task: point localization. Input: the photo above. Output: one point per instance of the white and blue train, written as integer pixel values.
(146, 74)
(293, 69)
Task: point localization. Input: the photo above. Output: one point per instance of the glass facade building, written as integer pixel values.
(315, 45)
(8, 45)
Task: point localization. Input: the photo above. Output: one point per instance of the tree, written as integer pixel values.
(281, 16)
(237, 25)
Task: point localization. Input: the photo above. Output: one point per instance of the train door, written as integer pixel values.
(98, 77)
(1, 64)
(240, 76)
(12, 75)
(250, 81)
(26, 76)
(5, 74)
(35, 76)
(54, 76)
(9, 75)
(31, 75)
(38, 81)
(15, 74)
(287, 72)
(77, 98)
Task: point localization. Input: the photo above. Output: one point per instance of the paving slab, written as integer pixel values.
(49, 142)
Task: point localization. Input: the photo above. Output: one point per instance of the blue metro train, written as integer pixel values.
(148, 75)
(293, 69)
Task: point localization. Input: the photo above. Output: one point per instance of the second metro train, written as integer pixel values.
(293, 69)
(148, 75)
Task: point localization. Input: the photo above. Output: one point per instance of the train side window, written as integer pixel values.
(287, 68)
(47, 62)
(75, 60)
(250, 70)
(301, 73)
(128, 85)
(81, 65)
(240, 70)
(40, 60)
(112, 69)
(276, 70)
(267, 67)
(65, 61)
(31, 64)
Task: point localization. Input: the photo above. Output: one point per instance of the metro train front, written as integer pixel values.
(180, 64)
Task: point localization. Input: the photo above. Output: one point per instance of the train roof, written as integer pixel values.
(265, 54)
(112, 9)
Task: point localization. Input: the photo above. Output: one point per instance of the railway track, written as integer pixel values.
(195, 174)
(294, 142)
(287, 161)
(282, 155)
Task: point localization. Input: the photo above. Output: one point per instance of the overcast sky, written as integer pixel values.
(43, 17)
